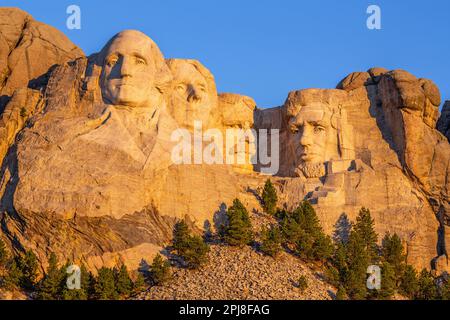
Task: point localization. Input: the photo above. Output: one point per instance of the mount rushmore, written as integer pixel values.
(86, 147)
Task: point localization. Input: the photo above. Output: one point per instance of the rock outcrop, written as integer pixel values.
(109, 157)
(443, 124)
(28, 50)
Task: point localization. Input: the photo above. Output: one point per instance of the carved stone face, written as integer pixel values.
(128, 70)
(317, 131)
(194, 96)
(310, 129)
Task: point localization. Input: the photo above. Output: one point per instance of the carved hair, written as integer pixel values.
(163, 76)
(174, 64)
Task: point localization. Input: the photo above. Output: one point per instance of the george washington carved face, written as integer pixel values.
(132, 70)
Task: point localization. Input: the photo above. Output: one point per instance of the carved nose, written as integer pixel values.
(125, 68)
(193, 94)
(305, 139)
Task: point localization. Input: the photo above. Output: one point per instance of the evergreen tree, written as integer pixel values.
(322, 247)
(139, 283)
(409, 283)
(269, 198)
(181, 235)
(104, 286)
(29, 267)
(392, 252)
(364, 227)
(341, 293)
(123, 281)
(427, 289)
(4, 256)
(340, 262)
(311, 242)
(302, 284)
(195, 253)
(445, 290)
(271, 241)
(388, 282)
(49, 287)
(239, 231)
(13, 274)
(191, 248)
(86, 289)
(357, 262)
(160, 270)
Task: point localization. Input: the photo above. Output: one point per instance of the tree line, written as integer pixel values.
(344, 258)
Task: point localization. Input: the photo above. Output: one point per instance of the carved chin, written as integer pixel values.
(310, 170)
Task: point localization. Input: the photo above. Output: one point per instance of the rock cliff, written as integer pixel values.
(88, 149)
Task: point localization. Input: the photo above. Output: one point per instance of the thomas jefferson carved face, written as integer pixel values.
(129, 70)
(194, 95)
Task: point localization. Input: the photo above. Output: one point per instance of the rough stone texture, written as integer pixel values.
(243, 274)
(28, 49)
(443, 124)
(22, 40)
(92, 177)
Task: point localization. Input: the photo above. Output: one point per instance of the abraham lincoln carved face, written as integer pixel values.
(315, 128)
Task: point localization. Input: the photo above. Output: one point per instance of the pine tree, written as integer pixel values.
(139, 283)
(4, 256)
(49, 287)
(341, 293)
(311, 242)
(269, 198)
(392, 251)
(195, 254)
(123, 281)
(86, 289)
(357, 262)
(29, 267)
(181, 235)
(160, 270)
(409, 285)
(13, 274)
(340, 262)
(364, 227)
(322, 248)
(388, 282)
(302, 284)
(191, 248)
(427, 289)
(271, 241)
(239, 231)
(104, 287)
(445, 290)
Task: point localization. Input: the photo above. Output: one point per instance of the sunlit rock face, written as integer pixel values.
(88, 171)
(317, 131)
(194, 95)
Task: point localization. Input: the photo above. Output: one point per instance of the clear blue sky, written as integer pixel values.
(265, 49)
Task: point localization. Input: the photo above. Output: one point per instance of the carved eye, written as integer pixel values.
(319, 129)
(181, 88)
(140, 61)
(202, 88)
(112, 61)
(294, 129)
